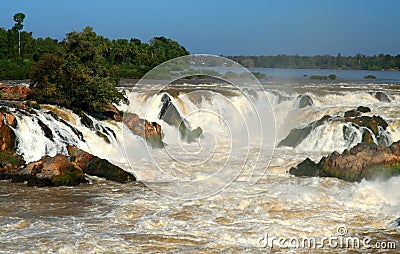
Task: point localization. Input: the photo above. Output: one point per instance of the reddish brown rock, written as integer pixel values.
(58, 169)
(7, 135)
(14, 93)
(93, 165)
(112, 112)
(360, 162)
(48, 171)
(141, 127)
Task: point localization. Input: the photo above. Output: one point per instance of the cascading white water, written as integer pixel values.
(33, 143)
(330, 135)
(232, 112)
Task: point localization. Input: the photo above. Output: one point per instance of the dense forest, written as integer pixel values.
(357, 62)
(132, 58)
(82, 71)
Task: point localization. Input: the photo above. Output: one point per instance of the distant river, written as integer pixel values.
(357, 75)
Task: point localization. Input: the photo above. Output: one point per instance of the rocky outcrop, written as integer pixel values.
(7, 135)
(14, 93)
(48, 171)
(304, 101)
(382, 97)
(171, 116)
(108, 111)
(93, 165)
(360, 162)
(363, 109)
(60, 170)
(297, 135)
(151, 132)
(373, 126)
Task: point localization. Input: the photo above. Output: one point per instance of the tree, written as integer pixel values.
(19, 18)
(78, 78)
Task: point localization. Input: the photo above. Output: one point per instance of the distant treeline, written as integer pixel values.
(357, 62)
(129, 58)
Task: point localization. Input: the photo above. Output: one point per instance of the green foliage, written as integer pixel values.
(124, 58)
(69, 177)
(15, 69)
(357, 62)
(259, 75)
(370, 77)
(77, 78)
(11, 157)
(36, 106)
(19, 18)
(319, 77)
(332, 76)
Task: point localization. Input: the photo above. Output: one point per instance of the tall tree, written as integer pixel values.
(19, 18)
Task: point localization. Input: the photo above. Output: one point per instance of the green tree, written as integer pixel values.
(18, 26)
(78, 78)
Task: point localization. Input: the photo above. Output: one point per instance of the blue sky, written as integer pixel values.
(228, 27)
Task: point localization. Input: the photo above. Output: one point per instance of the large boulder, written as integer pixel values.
(93, 165)
(382, 97)
(14, 93)
(360, 162)
(304, 101)
(48, 171)
(297, 135)
(170, 114)
(151, 132)
(108, 111)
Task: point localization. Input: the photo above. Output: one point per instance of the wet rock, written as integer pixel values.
(7, 135)
(108, 111)
(297, 135)
(103, 136)
(352, 113)
(151, 132)
(363, 109)
(368, 139)
(47, 131)
(111, 112)
(86, 121)
(306, 168)
(60, 170)
(382, 97)
(48, 171)
(376, 124)
(171, 116)
(394, 224)
(14, 93)
(360, 162)
(281, 98)
(93, 165)
(371, 123)
(304, 101)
